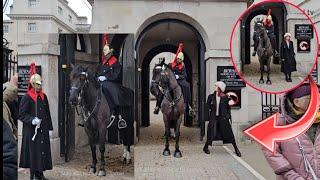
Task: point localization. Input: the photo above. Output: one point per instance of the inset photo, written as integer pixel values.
(278, 46)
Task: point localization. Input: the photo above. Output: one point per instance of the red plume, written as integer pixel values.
(174, 62)
(32, 71)
(31, 91)
(104, 42)
(269, 12)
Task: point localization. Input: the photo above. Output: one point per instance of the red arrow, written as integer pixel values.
(266, 132)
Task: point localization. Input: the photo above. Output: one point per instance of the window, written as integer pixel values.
(32, 27)
(32, 3)
(70, 18)
(5, 28)
(60, 10)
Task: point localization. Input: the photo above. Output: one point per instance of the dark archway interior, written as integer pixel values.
(164, 36)
(279, 18)
(146, 78)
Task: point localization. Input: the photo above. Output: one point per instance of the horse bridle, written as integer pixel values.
(167, 90)
(80, 102)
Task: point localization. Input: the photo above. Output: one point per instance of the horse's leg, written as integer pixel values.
(261, 81)
(166, 151)
(93, 167)
(102, 148)
(177, 152)
(126, 154)
(268, 71)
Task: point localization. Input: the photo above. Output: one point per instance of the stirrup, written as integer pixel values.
(122, 123)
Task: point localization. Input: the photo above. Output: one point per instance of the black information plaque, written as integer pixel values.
(229, 75)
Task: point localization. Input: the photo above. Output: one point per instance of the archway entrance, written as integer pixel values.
(163, 36)
(279, 16)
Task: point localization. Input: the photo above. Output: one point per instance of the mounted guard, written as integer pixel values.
(178, 68)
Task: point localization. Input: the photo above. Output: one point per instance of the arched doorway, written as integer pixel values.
(163, 36)
(279, 16)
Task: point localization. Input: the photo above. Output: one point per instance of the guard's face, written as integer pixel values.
(37, 86)
(179, 60)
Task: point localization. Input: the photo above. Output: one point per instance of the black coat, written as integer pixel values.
(219, 127)
(287, 54)
(115, 93)
(36, 154)
(182, 81)
(10, 170)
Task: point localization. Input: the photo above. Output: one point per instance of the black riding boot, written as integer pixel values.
(237, 151)
(206, 148)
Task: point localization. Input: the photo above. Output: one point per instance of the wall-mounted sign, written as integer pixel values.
(303, 46)
(229, 75)
(235, 96)
(303, 31)
(23, 78)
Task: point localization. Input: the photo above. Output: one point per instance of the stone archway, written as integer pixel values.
(170, 31)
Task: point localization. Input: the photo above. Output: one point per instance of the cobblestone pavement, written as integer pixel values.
(78, 167)
(151, 164)
(251, 73)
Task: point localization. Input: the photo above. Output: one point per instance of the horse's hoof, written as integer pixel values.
(129, 161)
(102, 173)
(261, 81)
(92, 170)
(177, 154)
(269, 82)
(166, 152)
(124, 161)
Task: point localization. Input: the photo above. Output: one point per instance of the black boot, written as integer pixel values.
(33, 176)
(206, 149)
(289, 77)
(237, 151)
(42, 176)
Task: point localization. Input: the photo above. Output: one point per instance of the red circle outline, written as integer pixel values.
(231, 40)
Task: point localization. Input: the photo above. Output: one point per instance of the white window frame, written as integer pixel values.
(32, 3)
(30, 29)
(5, 28)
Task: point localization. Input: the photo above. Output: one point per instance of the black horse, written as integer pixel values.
(86, 92)
(172, 106)
(264, 50)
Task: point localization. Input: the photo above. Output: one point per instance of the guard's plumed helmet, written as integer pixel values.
(180, 56)
(36, 82)
(269, 17)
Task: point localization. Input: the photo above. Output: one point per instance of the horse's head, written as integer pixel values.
(259, 28)
(160, 78)
(78, 80)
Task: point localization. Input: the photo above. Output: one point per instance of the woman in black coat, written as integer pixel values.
(9, 154)
(288, 61)
(34, 112)
(219, 127)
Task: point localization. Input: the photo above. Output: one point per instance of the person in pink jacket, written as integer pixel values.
(298, 158)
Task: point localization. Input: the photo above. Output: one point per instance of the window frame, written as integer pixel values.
(29, 27)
